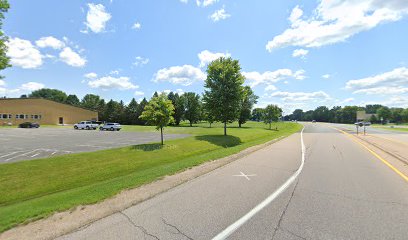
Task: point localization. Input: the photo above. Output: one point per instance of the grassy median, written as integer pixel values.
(37, 188)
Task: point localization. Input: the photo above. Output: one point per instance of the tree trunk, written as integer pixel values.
(210, 125)
(239, 124)
(270, 126)
(191, 123)
(225, 128)
(161, 134)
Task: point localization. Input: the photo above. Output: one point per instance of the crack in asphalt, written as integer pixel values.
(293, 234)
(284, 211)
(177, 229)
(145, 232)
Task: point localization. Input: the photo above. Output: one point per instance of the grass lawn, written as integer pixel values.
(37, 188)
(394, 128)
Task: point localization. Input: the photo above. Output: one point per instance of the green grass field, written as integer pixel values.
(37, 188)
(394, 128)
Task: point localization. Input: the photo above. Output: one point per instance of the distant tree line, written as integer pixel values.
(348, 114)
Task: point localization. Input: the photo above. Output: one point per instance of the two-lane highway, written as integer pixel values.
(342, 192)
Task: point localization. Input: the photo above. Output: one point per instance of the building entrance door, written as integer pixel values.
(61, 120)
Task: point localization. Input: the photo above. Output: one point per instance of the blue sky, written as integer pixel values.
(293, 53)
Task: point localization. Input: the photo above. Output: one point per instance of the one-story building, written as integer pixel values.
(14, 111)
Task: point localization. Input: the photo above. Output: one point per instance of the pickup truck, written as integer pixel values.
(86, 125)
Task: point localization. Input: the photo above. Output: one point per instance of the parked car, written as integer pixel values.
(111, 127)
(313, 121)
(29, 125)
(362, 124)
(86, 125)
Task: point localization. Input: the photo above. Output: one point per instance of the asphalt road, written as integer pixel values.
(25, 144)
(342, 192)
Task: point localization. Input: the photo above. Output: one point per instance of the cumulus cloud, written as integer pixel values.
(72, 58)
(270, 77)
(91, 75)
(137, 26)
(140, 61)
(2, 83)
(32, 86)
(206, 57)
(318, 96)
(336, 21)
(138, 93)
(23, 53)
(392, 82)
(300, 53)
(205, 3)
(219, 14)
(184, 75)
(51, 42)
(270, 88)
(96, 18)
(326, 76)
(109, 82)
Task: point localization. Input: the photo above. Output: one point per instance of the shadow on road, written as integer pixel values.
(220, 140)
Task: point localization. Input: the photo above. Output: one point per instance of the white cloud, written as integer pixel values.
(114, 72)
(336, 21)
(23, 54)
(32, 86)
(347, 100)
(318, 96)
(300, 53)
(109, 82)
(91, 75)
(183, 75)
(139, 93)
(270, 77)
(137, 25)
(96, 18)
(2, 83)
(72, 58)
(393, 81)
(326, 76)
(383, 90)
(205, 3)
(270, 88)
(206, 57)
(184, 1)
(51, 42)
(140, 61)
(219, 14)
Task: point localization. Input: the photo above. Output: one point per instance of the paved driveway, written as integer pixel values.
(25, 144)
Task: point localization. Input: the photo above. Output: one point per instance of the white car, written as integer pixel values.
(111, 127)
(88, 125)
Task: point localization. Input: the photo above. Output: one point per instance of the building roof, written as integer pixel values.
(39, 98)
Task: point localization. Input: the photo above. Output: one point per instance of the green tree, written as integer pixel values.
(158, 112)
(140, 110)
(101, 107)
(90, 101)
(349, 114)
(51, 94)
(396, 115)
(179, 108)
(223, 92)
(112, 111)
(384, 114)
(272, 114)
(405, 115)
(131, 112)
(321, 114)
(298, 115)
(4, 60)
(249, 99)
(257, 114)
(192, 107)
(73, 100)
(373, 119)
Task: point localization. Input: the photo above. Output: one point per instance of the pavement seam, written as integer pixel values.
(177, 229)
(145, 232)
(278, 226)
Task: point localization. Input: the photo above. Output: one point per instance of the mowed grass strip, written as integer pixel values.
(37, 188)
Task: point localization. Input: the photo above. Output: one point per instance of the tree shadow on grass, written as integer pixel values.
(148, 147)
(220, 140)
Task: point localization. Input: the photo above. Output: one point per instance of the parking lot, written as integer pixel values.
(25, 144)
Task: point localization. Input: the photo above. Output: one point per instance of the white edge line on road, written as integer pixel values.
(233, 227)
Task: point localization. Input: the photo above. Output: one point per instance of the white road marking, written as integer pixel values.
(233, 227)
(10, 154)
(35, 155)
(245, 175)
(19, 155)
(53, 153)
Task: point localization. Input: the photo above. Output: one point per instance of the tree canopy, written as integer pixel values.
(249, 99)
(271, 114)
(4, 60)
(224, 90)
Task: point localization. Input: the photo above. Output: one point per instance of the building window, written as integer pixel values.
(5, 116)
(35, 116)
(21, 116)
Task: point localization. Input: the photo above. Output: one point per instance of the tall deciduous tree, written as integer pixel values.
(4, 60)
(159, 112)
(192, 107)
(90, 101)
(249, 99)
(51, 94)
(73, 100)
(384, 113)
(257, 114)
(271, 114)
(223, 92)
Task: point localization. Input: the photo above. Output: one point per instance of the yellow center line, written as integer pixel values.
(405, 177)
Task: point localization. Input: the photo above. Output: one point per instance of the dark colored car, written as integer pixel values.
(29, 125)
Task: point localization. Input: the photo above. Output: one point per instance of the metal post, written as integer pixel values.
(364, 129)
(357, 129)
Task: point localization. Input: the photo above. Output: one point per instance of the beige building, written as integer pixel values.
(18, 110)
